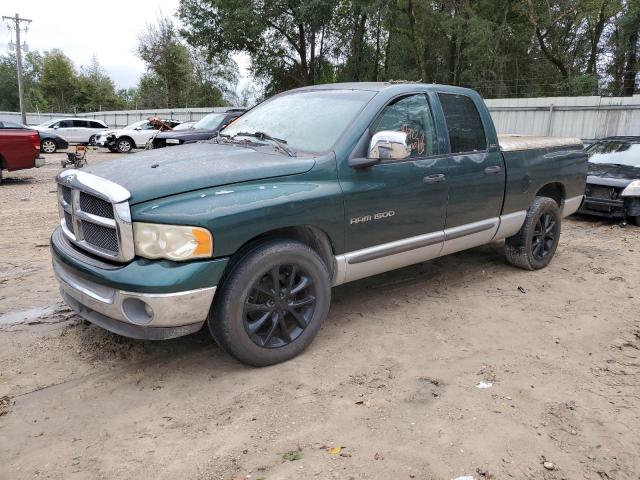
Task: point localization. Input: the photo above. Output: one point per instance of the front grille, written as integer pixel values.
(66, 194)
(94, 215)
(95, 206)
(603, 192)
(102, 237)
(68, 220)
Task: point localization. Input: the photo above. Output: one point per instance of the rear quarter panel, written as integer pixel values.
(528, 171)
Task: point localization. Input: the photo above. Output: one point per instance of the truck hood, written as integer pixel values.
(169, 171)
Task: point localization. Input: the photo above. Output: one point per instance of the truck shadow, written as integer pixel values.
(456, 271)
(17, 181)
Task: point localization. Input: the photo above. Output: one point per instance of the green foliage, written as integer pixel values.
(500, 47)
(177, 76)
(59, 81)
(96, 90)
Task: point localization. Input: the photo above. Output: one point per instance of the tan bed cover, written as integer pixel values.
(513, 143)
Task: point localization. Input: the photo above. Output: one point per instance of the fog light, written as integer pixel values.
(137, 311)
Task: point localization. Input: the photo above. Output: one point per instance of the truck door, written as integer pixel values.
(389, 204)
(475, 174)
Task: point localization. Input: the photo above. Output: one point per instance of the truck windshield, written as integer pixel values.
(621, 153)
(310, 121)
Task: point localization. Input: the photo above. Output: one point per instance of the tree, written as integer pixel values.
(178, 76)
(32, 69)
(96, 90)
(286, 39)
(59, 81)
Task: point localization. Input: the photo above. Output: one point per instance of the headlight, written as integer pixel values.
(172, 140)
(632, 190)
(173, 242)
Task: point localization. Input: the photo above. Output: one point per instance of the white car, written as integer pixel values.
(132, 136)
(75, 130)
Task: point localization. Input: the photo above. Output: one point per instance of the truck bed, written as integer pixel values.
(514, 143)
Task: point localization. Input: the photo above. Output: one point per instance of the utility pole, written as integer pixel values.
(17, 20)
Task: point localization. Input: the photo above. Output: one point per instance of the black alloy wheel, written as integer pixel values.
(536, 242)
(272, 303)
(544, 236)
(279, 307)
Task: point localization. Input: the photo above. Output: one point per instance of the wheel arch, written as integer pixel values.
(312, 236)
(554, 190)
(127, 137)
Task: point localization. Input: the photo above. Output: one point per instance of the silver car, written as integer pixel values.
(75, 130)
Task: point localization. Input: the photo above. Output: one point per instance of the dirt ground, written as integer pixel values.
(392, 378)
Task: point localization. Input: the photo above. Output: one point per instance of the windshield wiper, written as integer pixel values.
(282, 144)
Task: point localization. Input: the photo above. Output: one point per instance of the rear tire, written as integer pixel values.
(92, 140)
(48, 146)
(635, 220)
(272, 304)
(534, 246)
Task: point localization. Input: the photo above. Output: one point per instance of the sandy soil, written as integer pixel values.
(392, 377)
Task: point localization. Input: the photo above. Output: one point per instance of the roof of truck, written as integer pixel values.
(379, 86)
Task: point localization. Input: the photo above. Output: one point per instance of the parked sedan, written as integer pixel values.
(613, 184)
(205, 129)
(50, 142)
(75, 130)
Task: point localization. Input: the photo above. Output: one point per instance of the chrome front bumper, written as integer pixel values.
(133, 314)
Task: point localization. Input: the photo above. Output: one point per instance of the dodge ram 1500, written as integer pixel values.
(313, 188)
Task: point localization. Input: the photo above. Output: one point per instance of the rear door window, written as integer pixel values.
(466, 132)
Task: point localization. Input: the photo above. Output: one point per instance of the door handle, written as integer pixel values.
(492, 170)
(434, 178)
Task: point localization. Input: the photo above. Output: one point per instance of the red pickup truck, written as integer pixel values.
(19, 147)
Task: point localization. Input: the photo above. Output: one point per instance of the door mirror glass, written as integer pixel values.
(389, 145)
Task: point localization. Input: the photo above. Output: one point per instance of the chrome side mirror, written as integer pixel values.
(389, 145)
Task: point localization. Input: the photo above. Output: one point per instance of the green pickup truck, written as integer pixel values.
(312, 188)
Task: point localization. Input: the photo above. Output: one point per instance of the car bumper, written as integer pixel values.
(138, 300)
(611, 208)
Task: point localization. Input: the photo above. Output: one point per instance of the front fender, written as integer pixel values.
(235, 214)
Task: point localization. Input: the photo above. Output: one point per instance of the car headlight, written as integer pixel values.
(173, 242)
(632, 190)
(174, 141)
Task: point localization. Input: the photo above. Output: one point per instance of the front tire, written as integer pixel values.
(272, 304)
(635, 220)
(48, 146)
(124, 145)
(533, 247)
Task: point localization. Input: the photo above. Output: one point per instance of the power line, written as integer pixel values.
(17, 20)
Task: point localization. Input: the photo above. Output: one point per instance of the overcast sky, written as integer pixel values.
(81, 29)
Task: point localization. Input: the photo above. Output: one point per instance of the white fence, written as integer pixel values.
(582, 117)
(119, 119)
